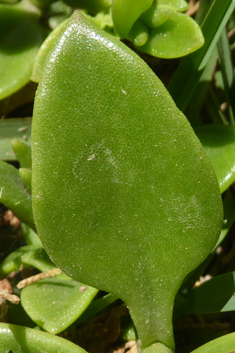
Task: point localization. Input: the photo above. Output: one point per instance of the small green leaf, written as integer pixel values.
(20, 39)
(55, 304)
(126, 12)
(178, 36)
(20, 339)
(11, 129)
(30, 236)
(13, 261)
(176, 5)
(138, 34)
(156, 15)
(14, 194)
(37, 258)
(26, 176)
(219, 143)
(23, 153)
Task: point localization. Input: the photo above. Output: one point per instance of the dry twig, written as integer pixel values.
(38, 277)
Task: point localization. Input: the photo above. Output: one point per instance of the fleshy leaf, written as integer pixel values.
(11, 129)
(20, 39)
(30, 236)
(22, 152)
(176, 5)
(138, 34)
(126, 12)
(26, 176)
(55, 304)
(13, 261)
(118, 167)
(19, 339)
(156, 15)
(14, 194)
(43, 51)
(178, 36)
(219, 143)
(37, 258)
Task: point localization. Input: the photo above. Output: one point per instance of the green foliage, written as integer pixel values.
(19, 339)
(56, 303)
(18, 46)
(109, 178)
(125, 197)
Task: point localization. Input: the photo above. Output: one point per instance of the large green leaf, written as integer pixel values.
(133, 197)
(19, 339)
(55, 304)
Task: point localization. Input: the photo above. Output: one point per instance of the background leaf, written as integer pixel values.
(19, 339)
(55, 304)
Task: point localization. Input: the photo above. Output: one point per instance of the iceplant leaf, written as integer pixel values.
(179, 35)
(13, 261)
(14, 194)
(219, 143)
(132, 194)
(10, 129)
(20, 339)
(23, 153)
(177, 5)
(126, 12)
(20, 39)
(55, 304)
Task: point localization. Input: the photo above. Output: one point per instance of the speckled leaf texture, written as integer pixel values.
(124, 197)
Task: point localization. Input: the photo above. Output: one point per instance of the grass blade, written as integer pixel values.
(227, 70)
(191, 68)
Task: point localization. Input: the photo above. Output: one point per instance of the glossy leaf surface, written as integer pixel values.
(126, 12)
(179, 35)
(219, 143)
(177, 5)
(55, 304)
(43, 51)
(19, 339)
(119, 168)
(20, 39)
